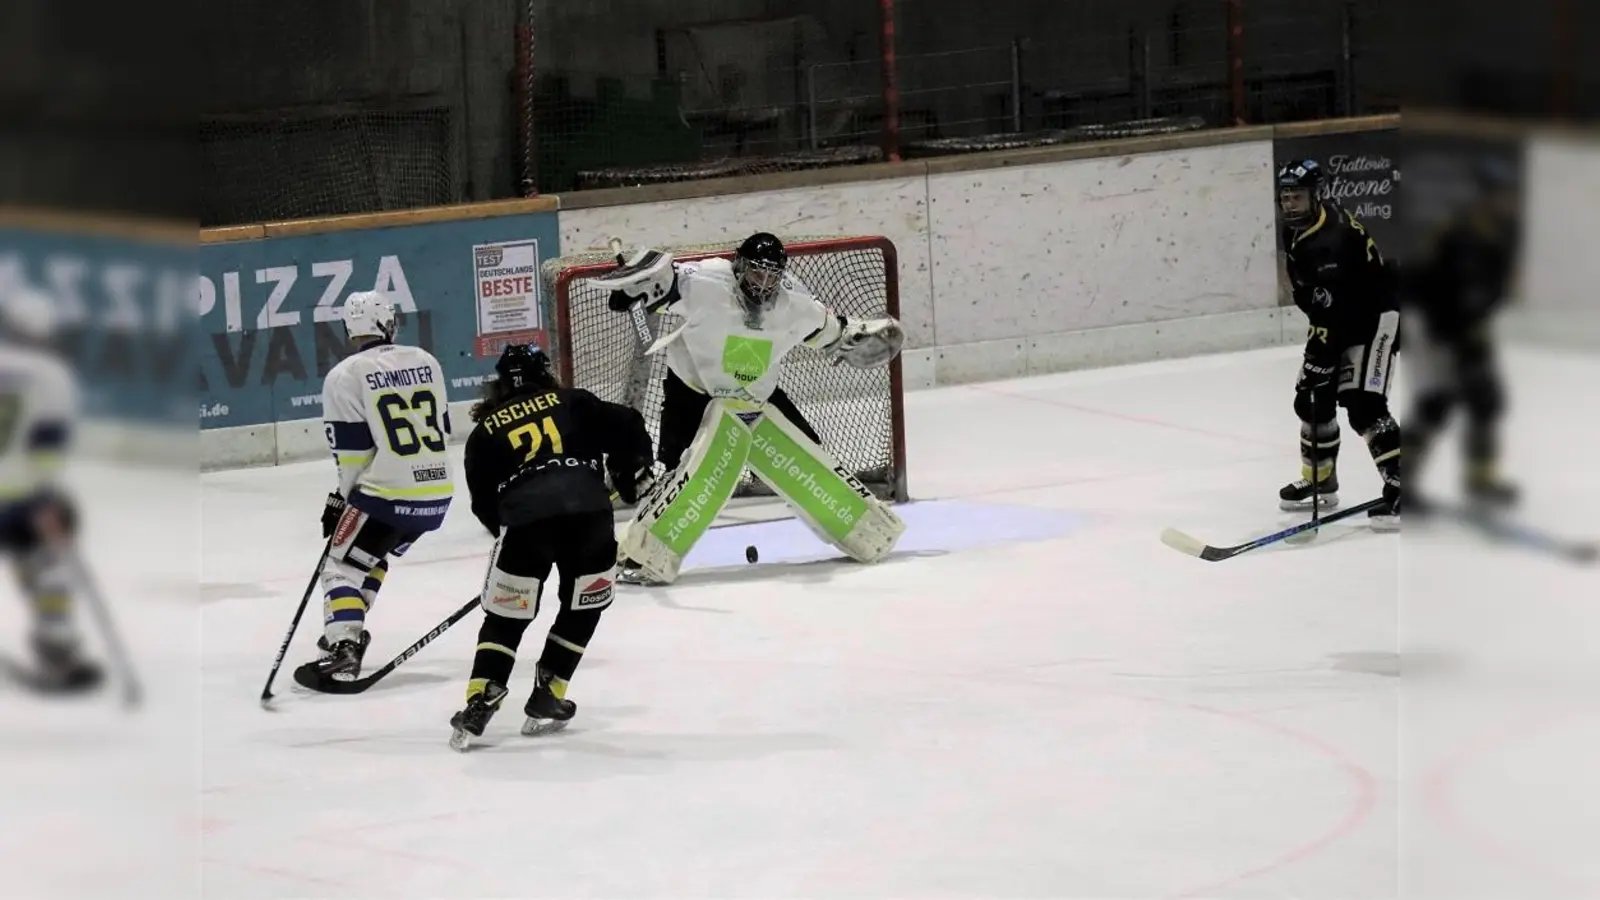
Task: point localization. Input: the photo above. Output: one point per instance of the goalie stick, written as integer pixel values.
(307, 678)
(1184, 543)
(1498, 528)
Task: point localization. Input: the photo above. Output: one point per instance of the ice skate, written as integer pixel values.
(546, 712)
(61, 668)
(1296, 496)
(1386, 516)
(342, 660)
(470, 722)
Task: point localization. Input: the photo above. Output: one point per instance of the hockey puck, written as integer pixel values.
(750, 554)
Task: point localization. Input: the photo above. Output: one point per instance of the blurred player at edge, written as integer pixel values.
(1457, 286)
(386, 417)
(534, 469)
(38, 522)
(1342, 284)
(741, 319)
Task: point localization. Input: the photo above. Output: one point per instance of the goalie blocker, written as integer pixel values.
(832, 503)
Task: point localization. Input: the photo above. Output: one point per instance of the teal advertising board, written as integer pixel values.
(269, 308)
(124, 317)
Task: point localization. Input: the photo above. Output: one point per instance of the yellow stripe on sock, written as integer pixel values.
(558, 686)
(1324, 472)
(563, 642)
(487, 645)
(1392, 454)
(475, 687)
(340, 604)
(53, 604)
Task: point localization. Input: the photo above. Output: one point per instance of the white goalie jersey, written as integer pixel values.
(386, 416)
(717, 351)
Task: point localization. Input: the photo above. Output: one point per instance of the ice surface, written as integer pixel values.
(1032, 698)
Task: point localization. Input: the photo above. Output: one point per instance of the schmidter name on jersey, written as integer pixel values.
(720, 351)
(387, 420)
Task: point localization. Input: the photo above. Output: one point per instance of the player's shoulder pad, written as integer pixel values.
(710, 268)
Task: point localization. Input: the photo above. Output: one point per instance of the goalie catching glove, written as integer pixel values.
(648, 278)
(868, 344)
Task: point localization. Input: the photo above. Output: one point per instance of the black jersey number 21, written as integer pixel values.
(533, 436)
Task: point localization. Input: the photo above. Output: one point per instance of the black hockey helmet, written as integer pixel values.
(524, 367)
(1299, 186)
(759, 264)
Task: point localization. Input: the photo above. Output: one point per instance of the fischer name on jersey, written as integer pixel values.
(716, 351)
(387, 418)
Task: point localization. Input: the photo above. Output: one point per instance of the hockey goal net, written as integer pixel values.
(857, 412)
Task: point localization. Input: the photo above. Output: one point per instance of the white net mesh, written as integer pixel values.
(857, 412)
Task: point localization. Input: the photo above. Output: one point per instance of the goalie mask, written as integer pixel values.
(368, 315)
(759, 265)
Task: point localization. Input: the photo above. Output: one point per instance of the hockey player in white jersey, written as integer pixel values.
(723, 408)
(386, 417)
(38, 522)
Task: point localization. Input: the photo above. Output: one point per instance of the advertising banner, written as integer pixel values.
(124, 316)
(1363, 175)
(269, 309)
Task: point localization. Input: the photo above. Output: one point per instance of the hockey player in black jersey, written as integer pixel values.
(1454, 290)
(534, 471)
(1342, 284)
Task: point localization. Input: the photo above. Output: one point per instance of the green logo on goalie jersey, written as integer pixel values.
(746, 359)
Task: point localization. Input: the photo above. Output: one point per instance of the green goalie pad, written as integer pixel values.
(680, 508)
(836, 506)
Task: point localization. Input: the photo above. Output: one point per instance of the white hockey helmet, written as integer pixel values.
(28, 313)
(368, 314)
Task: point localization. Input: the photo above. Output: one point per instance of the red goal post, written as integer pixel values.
(859, 413)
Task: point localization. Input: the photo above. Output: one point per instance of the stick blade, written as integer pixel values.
(1184, 543)
(306, 676)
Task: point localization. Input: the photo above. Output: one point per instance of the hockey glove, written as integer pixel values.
(332, 511)
(1316, 376)
(633, 485)
(869, 344)
(648, 277)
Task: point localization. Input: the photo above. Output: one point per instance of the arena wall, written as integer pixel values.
(1011, 263)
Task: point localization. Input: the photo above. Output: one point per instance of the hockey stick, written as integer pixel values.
(306, 676)
(283, 649)
(1497, 528)
(132, 693)
(1184, 543)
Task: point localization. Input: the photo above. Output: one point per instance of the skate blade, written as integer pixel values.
(538, 727)
(1384, 523)
(1329, 502)
(461, 740)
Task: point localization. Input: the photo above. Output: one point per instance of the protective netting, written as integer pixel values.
(633, 176)
(1052, 137)
(855, 411)
(264, 168)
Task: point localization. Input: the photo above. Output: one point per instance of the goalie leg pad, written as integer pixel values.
(836, 506)
(685, 502)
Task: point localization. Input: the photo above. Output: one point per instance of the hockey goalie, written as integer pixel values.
(723, 410)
